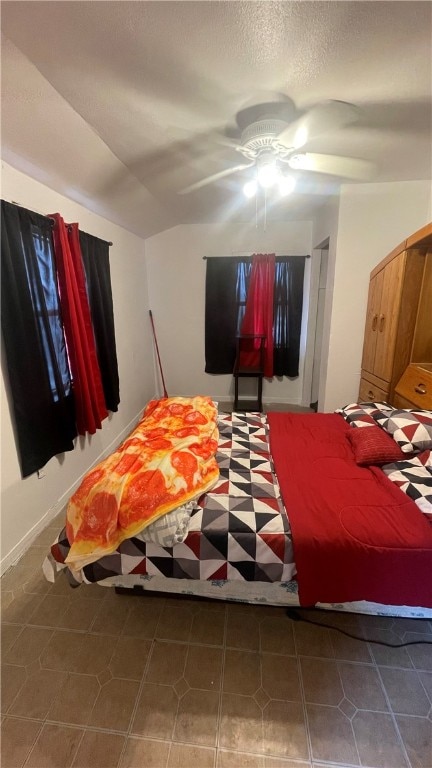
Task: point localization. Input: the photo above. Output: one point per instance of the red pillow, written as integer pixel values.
(371, 445)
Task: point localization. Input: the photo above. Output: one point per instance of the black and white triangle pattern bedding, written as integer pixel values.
(238, 531)
(414, 477)
(411, 429)
(363, 414)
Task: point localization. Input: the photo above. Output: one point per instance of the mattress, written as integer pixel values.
(282, 594)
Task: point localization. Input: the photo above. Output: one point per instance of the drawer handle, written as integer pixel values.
(421, 389)
(381, 325)
(374, 322)
(371, 394)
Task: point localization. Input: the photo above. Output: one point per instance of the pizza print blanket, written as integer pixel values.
(239, 530)
(168, 460)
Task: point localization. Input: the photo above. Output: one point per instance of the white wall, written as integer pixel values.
(27, 505)
(373, 219)
(176, 273)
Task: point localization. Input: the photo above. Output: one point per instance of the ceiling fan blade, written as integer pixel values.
(225, 141)
(214, 177)
(335, 165)
(325, 117)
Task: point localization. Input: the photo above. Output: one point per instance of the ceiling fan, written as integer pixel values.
(270, 141)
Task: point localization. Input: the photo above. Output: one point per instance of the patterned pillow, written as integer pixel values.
(373, 446)
(169, 529)
(411, 429)
(414, 477)
(361, 414)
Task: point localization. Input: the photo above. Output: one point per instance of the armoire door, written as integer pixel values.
(388, 317)
(372, 315)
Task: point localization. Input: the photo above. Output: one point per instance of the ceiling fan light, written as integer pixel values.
(268, 174)
(250, 188)
(286, 185)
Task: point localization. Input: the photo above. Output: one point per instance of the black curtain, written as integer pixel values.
(95, 254)
(34, 344)
(287, 315)
(221, 314)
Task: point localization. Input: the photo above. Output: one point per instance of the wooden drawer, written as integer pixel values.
(416, 387)
(402, 402)
(370, 392)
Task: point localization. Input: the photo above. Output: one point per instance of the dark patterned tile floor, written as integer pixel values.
(91, 678)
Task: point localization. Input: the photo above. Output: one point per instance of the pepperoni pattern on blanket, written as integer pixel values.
(168, 460)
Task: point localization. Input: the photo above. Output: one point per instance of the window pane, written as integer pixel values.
(244, 269)
(280, 313)
(46, 303)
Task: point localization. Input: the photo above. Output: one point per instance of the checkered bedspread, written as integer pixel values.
(239, 530)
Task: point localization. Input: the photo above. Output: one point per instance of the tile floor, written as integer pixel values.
(91, 679)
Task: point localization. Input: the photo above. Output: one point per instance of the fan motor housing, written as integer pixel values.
(260, 135)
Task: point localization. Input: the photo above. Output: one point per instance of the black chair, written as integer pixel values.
(249, 362)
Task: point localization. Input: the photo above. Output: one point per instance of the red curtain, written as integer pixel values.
(258, 318)
(87, 383)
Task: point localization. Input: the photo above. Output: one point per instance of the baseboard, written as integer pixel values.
(22, 546)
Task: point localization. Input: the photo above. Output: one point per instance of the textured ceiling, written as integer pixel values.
(118, 104)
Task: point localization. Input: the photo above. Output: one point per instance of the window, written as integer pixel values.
(35, 349)
(244, 269)
(56, 387)
(287, 315)
(227, 282)
(46, 304)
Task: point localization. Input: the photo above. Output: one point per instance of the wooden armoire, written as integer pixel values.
(397, 350)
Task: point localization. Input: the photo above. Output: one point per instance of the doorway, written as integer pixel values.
(317, 350)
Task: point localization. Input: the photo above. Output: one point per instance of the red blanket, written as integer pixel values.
(356, 535)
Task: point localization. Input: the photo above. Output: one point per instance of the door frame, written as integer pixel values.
(312, 319)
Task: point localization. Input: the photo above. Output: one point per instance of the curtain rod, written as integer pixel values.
(50, 218)
(108, 242)
(249, 256)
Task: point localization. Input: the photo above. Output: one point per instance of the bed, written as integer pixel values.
(292, 519)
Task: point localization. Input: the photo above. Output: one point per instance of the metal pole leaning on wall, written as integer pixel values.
(157, 352)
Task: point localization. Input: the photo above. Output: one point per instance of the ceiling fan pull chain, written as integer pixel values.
(265, 210)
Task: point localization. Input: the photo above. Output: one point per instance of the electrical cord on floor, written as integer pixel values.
(293, 614)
